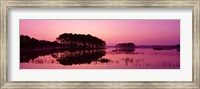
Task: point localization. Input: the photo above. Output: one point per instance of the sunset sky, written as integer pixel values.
(140, 32)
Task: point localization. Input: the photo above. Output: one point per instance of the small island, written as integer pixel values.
(129, 47)
(169, 47)
(125, 45)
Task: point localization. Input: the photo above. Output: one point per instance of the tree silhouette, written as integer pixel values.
(80, 41)
(27, 42)
(66, 40)
(126, 45)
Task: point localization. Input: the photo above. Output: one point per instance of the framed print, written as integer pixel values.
(100, 44)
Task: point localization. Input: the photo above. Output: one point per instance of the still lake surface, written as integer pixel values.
(110, 58)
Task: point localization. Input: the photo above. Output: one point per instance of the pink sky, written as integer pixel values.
(140, 32)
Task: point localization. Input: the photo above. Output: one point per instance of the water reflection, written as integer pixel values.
(27, 55)
(110, 58)
(69, 57)
(79, 57)
(128, 50)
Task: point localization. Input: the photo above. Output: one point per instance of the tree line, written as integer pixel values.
(28, 42)
(80, 41)
(65, 40)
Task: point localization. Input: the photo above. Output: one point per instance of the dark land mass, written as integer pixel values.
(85, 47)
(73, 48)
(66, 40)
(66, 57)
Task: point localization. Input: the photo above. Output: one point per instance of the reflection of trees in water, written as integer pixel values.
(79, 57)
(26, 55)
(125, 51)
(69, 57)
(76, 57)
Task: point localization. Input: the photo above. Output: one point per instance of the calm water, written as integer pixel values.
(110, 58)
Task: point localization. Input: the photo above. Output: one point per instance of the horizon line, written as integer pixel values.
(112, 45)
